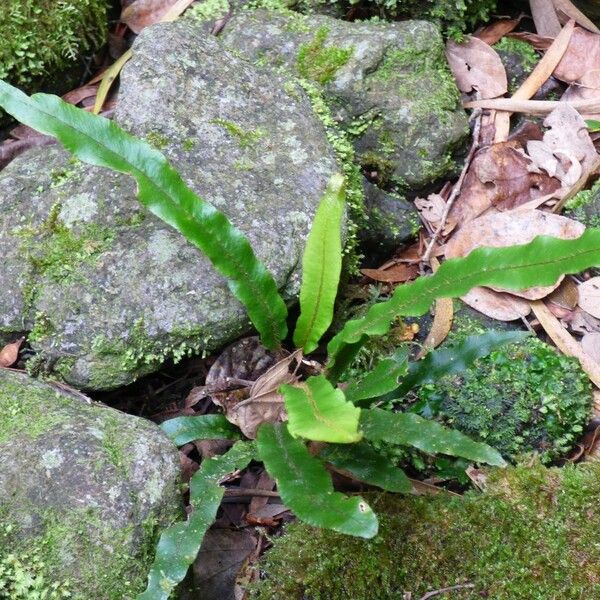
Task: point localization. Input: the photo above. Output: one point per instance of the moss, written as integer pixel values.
(246, 139)
(530, 536)
(157, 140)
(585, 206)
(529, 57)
(40, 37)
(188, 144)
(209, 10)
(77, 535)
(319, 63)
(344, 152)
(115, 445)
(521, 397)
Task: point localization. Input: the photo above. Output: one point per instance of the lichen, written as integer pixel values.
(319, 63)
(246, 139)
(530, 536)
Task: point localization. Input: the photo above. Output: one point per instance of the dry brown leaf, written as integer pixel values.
(582, 322)
(442, 320)
(431, 209)
(590, 343)
(399, 273)
(567, 8)
(477, 67)
(143, 13)
(539, 42)
(545, 17)
(566, 295)
(277, 375)
(582, 54)
(589, 296)
(566, 344)
(10, 353)
(499, 177)
(497, 305)
(507, 229)
(587, 88)
(490, 34)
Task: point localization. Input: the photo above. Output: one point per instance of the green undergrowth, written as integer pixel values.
(585, 206)
(531, 536)
(41, 37)
(319, 63)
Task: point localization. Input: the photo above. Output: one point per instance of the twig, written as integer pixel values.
(461, 586)
(457, 188)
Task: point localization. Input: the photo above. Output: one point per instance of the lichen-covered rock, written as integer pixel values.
(531, 536)
(84, 492)
(585, 206)
(108, 291)
(38, 38)
(391, 222)
(388, 84)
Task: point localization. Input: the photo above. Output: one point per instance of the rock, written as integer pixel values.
(531, 534)
(388, 85)
(392, 221)
(84, 492)
(107, 290)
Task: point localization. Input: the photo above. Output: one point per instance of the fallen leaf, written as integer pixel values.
(442, 320)
(10, 353)
(539, 42)
(567, 8)
(276, 376)
(545, 17)
(477, 67)
(490, 34)
(143, 13)
(589, 296)
(582, 52)
(499, 177)
(496, 305)
(590, 343)
(564, 341)
(507, 229)
(588, 88)
(566, 295)
(399, 273)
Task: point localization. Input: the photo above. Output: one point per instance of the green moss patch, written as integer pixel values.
(530, 536)
(318, 62)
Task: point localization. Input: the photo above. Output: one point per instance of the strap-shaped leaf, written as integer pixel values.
(381, 380)
(161, 190)
(541, 262)
(321, 267)
(408, 429)
(364, 463)
(182, 430)
(305, 485)
(318, 411)
(446, 361)
(178, 545)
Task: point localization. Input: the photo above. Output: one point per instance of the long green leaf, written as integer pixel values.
(182, 430)
(162, 191)
(408, 429)
(366, 464)
(446, 361)
(321, 268)
(381, 380)
(306, 487)
(178, 545)
(540, 262)
(318, 411)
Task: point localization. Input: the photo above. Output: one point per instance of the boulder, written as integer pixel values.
(107, 291)
(84, 492)
(388, 85)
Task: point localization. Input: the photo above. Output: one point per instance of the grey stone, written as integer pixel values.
(388, 85)
(107, 290)
(392, 221)
(84, 491)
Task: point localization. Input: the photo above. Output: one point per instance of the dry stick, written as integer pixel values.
(235, 492)
(535, 107)
(461, 586)
(545, 17)
(457, 187)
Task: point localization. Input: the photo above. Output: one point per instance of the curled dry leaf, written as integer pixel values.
(582, 322)
(142, 13)
(589, 296)
(507, 229)
(490, 34)
(399, 273)
(10, 353)
(539, 42)
(497, 305)
(499, 177)
(590, 343)
(566, 295)
(477, 67)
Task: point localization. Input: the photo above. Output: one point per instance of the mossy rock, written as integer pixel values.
(84, 493)
(42, 38)
(531, 536)
(388, 85)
